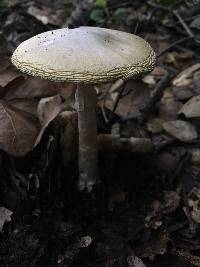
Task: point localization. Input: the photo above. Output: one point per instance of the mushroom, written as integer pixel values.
(85, 56)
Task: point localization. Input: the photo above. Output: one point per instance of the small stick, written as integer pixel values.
(187, 29)
(119, 96)
(156, 95)
(173, 45)
(115, 143)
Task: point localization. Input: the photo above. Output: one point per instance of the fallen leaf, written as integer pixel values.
(85, 241)
(48, 15)
(168, 204)
(18, 130)
(191, 108)
(195, 159)
(5, 216)
(5, 62)
(182, 92)
(7, 76)
(149, 79)
(38, 14)
(130, 104)
(28, 105)
(194, 204)
(134, 261)
(158, 71)
(33, 88)
(196, 82)
(69, 136)
(4, 44)
(8, 3)
(195, 23)
(182, 130)
(155, 125)
(48, 109)
(168, 106)
(185, 77)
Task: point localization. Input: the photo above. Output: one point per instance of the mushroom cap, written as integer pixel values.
(84, 54)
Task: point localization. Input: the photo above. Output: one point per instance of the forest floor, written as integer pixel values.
(147, 211)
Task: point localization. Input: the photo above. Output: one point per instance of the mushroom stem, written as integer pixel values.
(85, 101)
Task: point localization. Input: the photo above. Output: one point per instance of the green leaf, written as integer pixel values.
(101, 3)
(8, 3)
(120, 12)
(97, 15)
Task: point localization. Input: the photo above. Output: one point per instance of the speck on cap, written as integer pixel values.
(85, 54)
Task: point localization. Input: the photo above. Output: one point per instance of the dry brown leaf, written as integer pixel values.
(158, 71)
(168, 204)
(5, 62)
(195, 156)
(5, 216)
(131, 103)
(182, 130)
(28, 105)
(48, 109)
(191, 108)
(18, 130)
(149, 79)
(134, 261)
(69, 136)
(168, 106)
(182, 92)
(39, 14)
(4, 45)
(7, 76)
(185, 77)
(47, 15)
(196, 82)
(194, 204)
(33, 88)
(195, 23)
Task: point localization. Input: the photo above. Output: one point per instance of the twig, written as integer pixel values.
(173, 45)
(106, 119)
(103, 103)
(181, 21)
(110, 90)
(156, 95)
(187, 29)
(164, 8)
(115, 143)
(119, 96)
